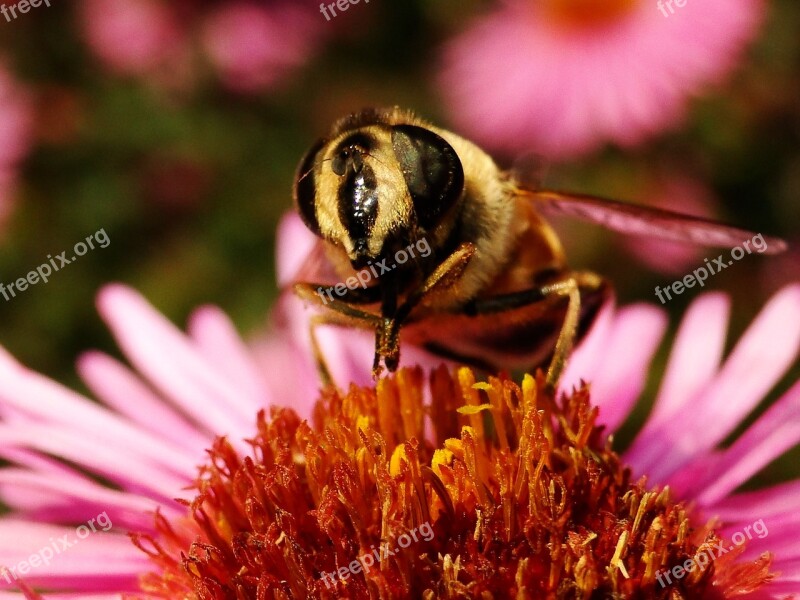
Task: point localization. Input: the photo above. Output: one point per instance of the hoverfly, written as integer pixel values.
(494, 291)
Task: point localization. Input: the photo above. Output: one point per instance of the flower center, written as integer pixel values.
(588, 13)
(493, 491)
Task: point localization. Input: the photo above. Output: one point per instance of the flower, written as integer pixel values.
(530, 502)
(132, 37)
(73, 459)
(562, 77)
(157, 423)
(251, 46)
(296, 500)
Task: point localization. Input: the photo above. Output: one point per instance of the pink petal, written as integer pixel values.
(171, 362)
(694, 359)
(216, 337)
(693, 362)
(294, 244)
(119, 388)
(100, 562)
(616, 383)
(775, 432)
(775, 500)
(48, 499)
(58, 405)
(145, 477)
(585, 361)
(762, 356)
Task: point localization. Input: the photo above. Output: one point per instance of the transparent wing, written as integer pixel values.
(645, 221)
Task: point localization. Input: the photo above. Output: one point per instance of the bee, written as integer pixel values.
(489, 284)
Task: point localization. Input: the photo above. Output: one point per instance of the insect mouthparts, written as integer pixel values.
(361, 250)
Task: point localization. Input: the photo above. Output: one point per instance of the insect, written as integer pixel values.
(494, 289)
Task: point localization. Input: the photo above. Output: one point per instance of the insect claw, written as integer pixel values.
(377, 369)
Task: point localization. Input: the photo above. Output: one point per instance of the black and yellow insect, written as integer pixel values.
(496, 290)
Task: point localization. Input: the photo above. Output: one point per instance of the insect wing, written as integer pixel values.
(645, 221)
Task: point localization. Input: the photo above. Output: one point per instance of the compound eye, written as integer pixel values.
(305, 187)
(432, 171)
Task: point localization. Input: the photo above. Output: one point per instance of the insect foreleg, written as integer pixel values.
(342, 315)
(387, 341)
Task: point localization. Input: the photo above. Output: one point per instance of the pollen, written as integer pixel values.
(436, 487)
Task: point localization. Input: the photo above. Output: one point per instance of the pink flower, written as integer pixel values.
(562, 77)
(75, 461)
(132, 37)
(252, 46)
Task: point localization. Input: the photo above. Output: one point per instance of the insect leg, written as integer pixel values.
(324, 294)
(387, 343)
(445, 274)
(342, 315)
(568, 330)
(568, 285)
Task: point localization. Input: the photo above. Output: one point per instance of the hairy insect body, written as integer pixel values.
(495, 289)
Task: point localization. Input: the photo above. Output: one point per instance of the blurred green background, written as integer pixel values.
(189, 180)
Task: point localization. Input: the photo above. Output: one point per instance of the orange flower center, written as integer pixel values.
(493, 490)
(588, 13)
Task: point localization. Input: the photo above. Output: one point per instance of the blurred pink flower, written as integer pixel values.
(562, 77)
(132, 37)
(252, 46)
